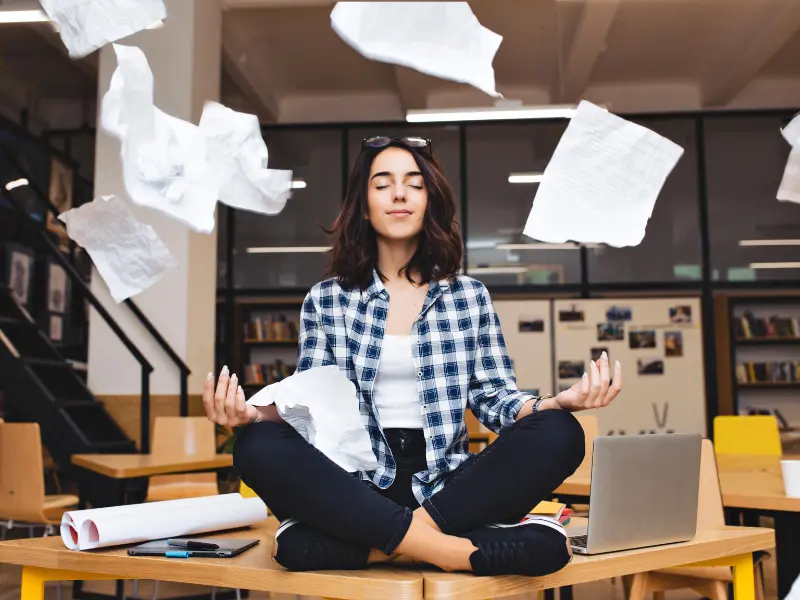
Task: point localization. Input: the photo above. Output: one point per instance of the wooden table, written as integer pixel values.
(46, 559)
(751, 483)
(118, 474)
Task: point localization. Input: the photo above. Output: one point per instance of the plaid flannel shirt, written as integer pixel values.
(458, 351)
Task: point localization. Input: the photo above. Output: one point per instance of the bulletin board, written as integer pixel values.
(528, 335)
(660, 345)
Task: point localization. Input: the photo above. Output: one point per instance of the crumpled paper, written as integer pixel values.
(322, 405)
(164, 159)
(443, 39)
(239, 155)
(86, 25)
(789, 190)
(128, 254)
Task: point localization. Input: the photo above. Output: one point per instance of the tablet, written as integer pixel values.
(226, 548)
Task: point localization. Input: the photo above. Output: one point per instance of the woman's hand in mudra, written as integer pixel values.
(225, 403)
(595, 389)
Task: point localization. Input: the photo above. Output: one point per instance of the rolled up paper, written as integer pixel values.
(134, 523)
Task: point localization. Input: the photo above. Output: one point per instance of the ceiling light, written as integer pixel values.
(555, 111)
(525, 177)
(775, 265)
(298, 184)
(769, 242)
(544, 246)
(498, 270)
(16, 183)
(23, 16)
(288, 249)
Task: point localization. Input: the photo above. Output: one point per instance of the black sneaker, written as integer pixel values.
(303, 548)
(535, 547)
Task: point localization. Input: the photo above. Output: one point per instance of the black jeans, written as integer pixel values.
(522, 467)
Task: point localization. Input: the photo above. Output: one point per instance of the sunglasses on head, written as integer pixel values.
(381, 141)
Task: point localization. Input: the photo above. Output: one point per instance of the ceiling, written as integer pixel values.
(282, 60)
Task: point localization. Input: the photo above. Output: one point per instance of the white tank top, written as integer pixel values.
(395, 388)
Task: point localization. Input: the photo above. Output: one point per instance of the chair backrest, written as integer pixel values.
(183, 436)
(21, 472)
(590, 429)
(753, 434)
(710, 512)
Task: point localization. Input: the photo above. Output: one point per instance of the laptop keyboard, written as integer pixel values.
(578, 541)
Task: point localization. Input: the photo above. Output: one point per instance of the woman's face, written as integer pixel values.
(396, 195)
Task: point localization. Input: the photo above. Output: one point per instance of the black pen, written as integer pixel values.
(192, 544)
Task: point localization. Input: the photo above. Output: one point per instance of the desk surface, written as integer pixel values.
(126, 466)
(255, 570)
(747, 482)
(707, 545)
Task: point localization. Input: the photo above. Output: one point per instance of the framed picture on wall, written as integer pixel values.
(59, 193)
(19, 271)
(57, 288)
(56, 328)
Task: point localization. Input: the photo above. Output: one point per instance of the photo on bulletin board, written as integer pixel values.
(610, 332)
(596, 353)
(571, 369)
(673, 343)
(642, 339)
(531, 324)
(649, 366)
(619, 313)
(56, 328)
(680, 314)
(19, 271)
(573, 315)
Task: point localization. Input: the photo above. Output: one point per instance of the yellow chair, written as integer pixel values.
(756, 434)
(246, 491)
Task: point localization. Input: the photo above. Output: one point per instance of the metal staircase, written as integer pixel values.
(42, 386)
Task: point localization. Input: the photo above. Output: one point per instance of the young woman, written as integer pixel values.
(423, 345)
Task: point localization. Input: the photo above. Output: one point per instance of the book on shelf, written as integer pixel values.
(749, 326)
(768, 372)
(275, 328)
(267, 373)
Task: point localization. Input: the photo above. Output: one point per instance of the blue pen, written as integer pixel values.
(176, 554)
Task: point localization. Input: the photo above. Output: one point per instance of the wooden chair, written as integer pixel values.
(709, 582)
(22, 493)
(754, 434)
(590, 432)
(187, 437)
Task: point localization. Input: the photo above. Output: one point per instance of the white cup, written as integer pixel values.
(791, 477)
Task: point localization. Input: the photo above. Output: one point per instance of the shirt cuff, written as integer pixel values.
(515, 403)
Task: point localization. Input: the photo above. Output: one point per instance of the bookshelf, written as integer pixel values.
(266, 340)
(763, 354)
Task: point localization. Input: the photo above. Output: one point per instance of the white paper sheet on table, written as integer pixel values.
(164, 159)
(128, 254)
(133, 523)
(602, 182)
(86, 25)
(239, 155)
(443, 39)
(322, 405)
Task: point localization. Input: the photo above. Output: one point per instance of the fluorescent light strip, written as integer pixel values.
(298, 184)
(525, 177)
(775, 265)
(16, 183)
(288, 250)
(498, 270)
(543, 246)
(23, 16)
(769, 242)
(556, 111)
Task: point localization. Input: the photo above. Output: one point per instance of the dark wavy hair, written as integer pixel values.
(354, 252)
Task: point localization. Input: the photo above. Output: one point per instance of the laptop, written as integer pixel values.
(644, 491)
(207, 547)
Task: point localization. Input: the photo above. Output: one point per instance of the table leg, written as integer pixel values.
(787, 546)
(744, 582)
(34, 578)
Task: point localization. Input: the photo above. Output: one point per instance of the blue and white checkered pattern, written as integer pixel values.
(459, 353)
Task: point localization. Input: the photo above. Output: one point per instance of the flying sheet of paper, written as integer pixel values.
(792, 132)
(164, 159)
(322, 405)
(239, 155)
(85, 26)
(128, 254)
(443, 39)
(602, 182)
(789, 191)
(132, 523)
